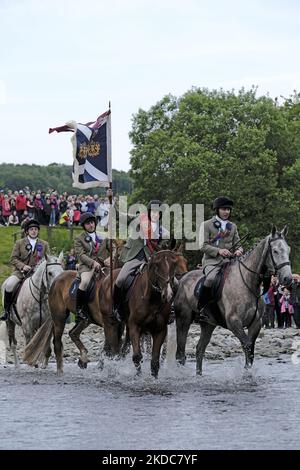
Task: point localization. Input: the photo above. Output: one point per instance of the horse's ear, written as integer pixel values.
(61, 256)
(285, 231)
(46, 257)
(274, 231)
(180, 248)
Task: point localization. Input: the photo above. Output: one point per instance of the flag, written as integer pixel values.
(91, 151)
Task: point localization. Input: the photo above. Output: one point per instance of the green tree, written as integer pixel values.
(207, 143)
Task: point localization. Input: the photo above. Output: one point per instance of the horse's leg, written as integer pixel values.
(75, 337)
(158, 339)
(253, 333)
(206, 332)
(12, 340)
(47, 357)
(58, 329)
(135, 337)
(183, 322)
(236, 326)
(126, 344)
(164, 348)
(113, 333)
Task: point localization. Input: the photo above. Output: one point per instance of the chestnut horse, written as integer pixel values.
(149, 305)
(61, 304)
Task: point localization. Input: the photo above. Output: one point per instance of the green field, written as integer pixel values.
(58, 238)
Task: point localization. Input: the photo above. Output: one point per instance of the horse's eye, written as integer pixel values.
(50, 274)
(276, 252)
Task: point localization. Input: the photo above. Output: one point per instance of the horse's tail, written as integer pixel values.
(3, 341)
(35, 351)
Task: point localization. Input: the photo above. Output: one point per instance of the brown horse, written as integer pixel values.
(149, 305)
(61, 304)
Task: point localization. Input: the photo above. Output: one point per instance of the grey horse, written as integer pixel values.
(240, 305)
(32, 302)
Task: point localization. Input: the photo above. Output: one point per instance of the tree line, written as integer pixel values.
(56, 176)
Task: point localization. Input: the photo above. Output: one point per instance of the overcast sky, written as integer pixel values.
(64, 60)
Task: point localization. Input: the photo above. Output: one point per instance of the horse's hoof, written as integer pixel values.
(60, 372)
(82, 364)
(101, 364)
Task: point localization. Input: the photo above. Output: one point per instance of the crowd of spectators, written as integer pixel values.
(49, 207)
(282, 305)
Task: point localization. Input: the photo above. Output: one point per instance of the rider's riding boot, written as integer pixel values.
(80, 301)
(117, 304)
(7, 304)
(204, 299)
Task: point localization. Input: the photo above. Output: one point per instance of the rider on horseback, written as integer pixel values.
(91, 251)
(26, 254)
(218, 237)
(138, 250)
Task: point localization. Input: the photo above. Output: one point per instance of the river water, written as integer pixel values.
(226, 408)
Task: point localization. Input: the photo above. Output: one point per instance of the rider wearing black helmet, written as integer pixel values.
(26, 254)
(218, 236)
(91, 251)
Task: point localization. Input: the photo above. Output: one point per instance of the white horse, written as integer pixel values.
(31, 308)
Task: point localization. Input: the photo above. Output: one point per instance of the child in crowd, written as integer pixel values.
(287, 308)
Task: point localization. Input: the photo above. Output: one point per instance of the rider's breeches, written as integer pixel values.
(126, 270)
(210, 272)
(85, 279)
(11, 283)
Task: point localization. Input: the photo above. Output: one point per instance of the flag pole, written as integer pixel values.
(110, 236)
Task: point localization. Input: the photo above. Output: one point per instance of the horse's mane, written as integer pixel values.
(248, 252)
(50, 257)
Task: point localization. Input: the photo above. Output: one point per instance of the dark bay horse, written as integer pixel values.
(240, 305)
(149, 305)
(61, 304)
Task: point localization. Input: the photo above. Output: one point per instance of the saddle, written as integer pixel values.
(217, 286)
(130, 281)
(212, 311)
(90, 291)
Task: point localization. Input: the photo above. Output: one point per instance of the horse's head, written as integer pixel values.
(163, 267)
(278, 256)
(52, 268)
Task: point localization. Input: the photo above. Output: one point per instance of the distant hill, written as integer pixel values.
(56, 176)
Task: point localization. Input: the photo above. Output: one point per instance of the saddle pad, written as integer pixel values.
(198, 286)
(73, 288)
(90, 292)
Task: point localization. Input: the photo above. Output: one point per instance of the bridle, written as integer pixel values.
(167, 280)
(279, 266)
(276, 267)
